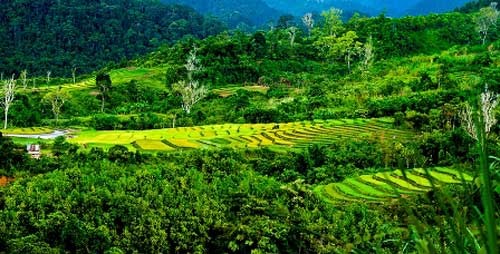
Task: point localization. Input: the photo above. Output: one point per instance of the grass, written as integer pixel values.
(28, 141)
(244, 135)
(28, 131)
(151, 77)
(228, 91)
(385, 186)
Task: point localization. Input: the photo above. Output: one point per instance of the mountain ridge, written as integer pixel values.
(258, 12)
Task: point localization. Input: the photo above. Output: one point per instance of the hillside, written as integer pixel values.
(48, 35)
(393, 8)
(434, 6)
(474, 6)
(234, 12)
(376, 135)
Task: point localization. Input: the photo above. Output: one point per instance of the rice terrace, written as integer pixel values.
(299, 134)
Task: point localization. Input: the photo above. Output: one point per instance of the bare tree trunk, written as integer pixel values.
(6, 116)
(102, 104)
(348, 58)
(8, 98)
(73, 72)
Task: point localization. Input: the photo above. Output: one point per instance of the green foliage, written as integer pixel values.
(232, 195)
(58, 36)
(11, 155)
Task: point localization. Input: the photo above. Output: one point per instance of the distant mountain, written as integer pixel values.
(373, 7)
(475, 5)
(259, 12)
(434, 6)
(234, 12)
(299, 7)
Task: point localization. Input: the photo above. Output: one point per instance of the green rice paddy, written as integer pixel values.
(386, 186)
(292, 135)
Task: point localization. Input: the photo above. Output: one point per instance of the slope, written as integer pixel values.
(434, 6)
(373, 7)
(47, 35)
(234, 12)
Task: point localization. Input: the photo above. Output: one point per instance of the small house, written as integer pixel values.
(34, 151)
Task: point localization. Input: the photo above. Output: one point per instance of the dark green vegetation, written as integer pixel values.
(236, 13)
(298, 133)
(57, 36)
(394, 8)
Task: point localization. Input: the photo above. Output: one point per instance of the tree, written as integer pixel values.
(8, 91)
(332, 22)
(308, 21)
(292, 32)
(48, 77)
(191, 90)
(73, 74)
(486, 18)
(24, 78)
(285, 21)
(347, 46)
(57, 99)
(103, 83)
(367, 54)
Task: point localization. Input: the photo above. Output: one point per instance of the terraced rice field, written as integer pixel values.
(28, 131)
(225, 92)
(385, 186)
(297, 135)
(147, 76)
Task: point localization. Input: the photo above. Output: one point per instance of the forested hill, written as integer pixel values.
(475, 5)
(373, 7)
(50, 35)
(434, 6)
(234, 12)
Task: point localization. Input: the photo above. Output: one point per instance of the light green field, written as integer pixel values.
(386, 186)
(28, 131)
(298, 134)
(225, 92)
(152, 77)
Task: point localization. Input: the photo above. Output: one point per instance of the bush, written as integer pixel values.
(260, 115)
(105, 122)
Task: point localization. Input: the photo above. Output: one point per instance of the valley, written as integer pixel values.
(165, 130)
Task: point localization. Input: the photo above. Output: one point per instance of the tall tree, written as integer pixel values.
(57, 99)
(485, 19)
(367, 54)
(346, 46)
(191, 90)
(308, 21)
(24, 78)
(73, 74)
(103, 83)
(292, 32)
(8, 91)
(48, 77)
(332, 19)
